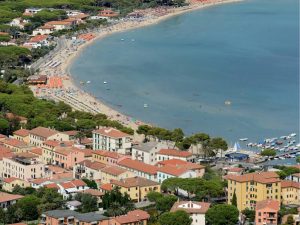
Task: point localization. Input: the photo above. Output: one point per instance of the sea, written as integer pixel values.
(230, 70)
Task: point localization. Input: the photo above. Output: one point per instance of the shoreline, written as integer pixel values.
(73, 94)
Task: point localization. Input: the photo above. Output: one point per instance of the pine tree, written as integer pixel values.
(234, 200)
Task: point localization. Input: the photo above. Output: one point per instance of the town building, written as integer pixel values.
(62, 24)
(107, 157)
(37, 80)
(41, 134)
(67, 157)
(88, 169)
(43, 30)
(24, 166)
(168, 171)
(69, 217)
(22, 135)
(146, 152)
(140, 169)
(38, 41)
(71, 188)
(196, 210)
(290, 192)
(266, 212)
(135, 217)
(10, 183)
(114, 173)
(166, 154)
(294, 177)
(7, 200)
(18, 22)
(136, 187)
(16, 145)
(253, 187)
(113, 140)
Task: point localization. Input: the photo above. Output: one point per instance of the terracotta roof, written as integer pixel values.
(260, 177)
(5, 197)
(52, 185)
(65, 175)
(139, 166)
(86, 141)
(192, 207)
(289, 183)
(235, 169)
(93, 192)
(181, 164)
(56, 169)
(133, 216)
(26, 155)
(18, 224)
(38, 38)
(72, 184)
(46, 26)
(22, 132)
(36, 151)
(10, 179)
(71, 132)
(106, 187)
(87, 152)
(174, 152)
(60, 22)
(3, 136)
(109, 154)
(11, 116)
(52, 143)
(269, 203)
(113, 170)
(5, 152)
(92, 164)
(296, 166)
(111, 132)
(296, 175)
(172, 170)
(43, 132)
(67, 150)
(134, 182)
(39, 180)
(15, 143)
(80, 16)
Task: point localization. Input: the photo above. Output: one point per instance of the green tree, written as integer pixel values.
(222, 214)
(234, 199)
(298, 159)
(290, 220)
(165, 203)
(28, 205)
(249, 214)
(175, 218)
(88, 202)
(2, 216)
(90, 183)
(268, 152)
(154, 196)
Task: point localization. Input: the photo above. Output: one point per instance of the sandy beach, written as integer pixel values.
(63, 88)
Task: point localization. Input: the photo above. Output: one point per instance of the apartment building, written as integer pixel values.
(253, 187)
(113, 140)
(290, 192)
(24, 166)
(10, 183)
(39, 135)
(16, 145)
(114, 173)
(166, 154)
(266, 212)
(107, 157)
(135, 217)
(140, 169)
(22, 135)
(88, 169)
(136, 187)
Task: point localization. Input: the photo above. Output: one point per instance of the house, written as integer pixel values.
(166, 154)
(114, 173)
(168, 171)
(18, 22)
(39, 182)
(38, 41)
(266, 212)
(146, 152)
(10, 183)
(139, 168)
(66, 217)
(136, 187)
(107, 157)
(67, 157)
(71, 187)
(4, 153)
(22, 135)
(72, 134)
(62, 24)
(196, 210)
(36, 80)
(96, 193)
(7, 200)
(40, 134)
(16, 145)
(88, 169)
(43, 30)
(107, 14)
(106, 187)
(38, 152)
(290, 192)
(294, 177)
(31, 11)
(73, 205)
(24, 166)
(234, 170)
(253, 187)
(137, 216)
(113, 140)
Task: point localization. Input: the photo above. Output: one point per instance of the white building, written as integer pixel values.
(172, 171)
(18, 22)
(196, 210)
(40, 134)
(113, 140)
(166, 154)
(88, 169)
(43, 30)
(146, 152)
(8, 199)
(71, 188)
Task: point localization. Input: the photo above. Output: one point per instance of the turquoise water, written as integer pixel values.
(186, 67)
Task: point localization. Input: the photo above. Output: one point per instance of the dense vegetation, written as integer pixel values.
(222, 214)
(286, 171)
(20, 101)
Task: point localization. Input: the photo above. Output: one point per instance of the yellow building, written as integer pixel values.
(10, 183)
(136, 187)
(107, 157)
(253, 187)
(114, 173)
(290, 192)
(22, 135)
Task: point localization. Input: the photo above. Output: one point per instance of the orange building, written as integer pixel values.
(266, 212)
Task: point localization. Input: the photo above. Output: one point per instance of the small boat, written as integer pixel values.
(104, 82)
(282, 158)
(145, 105)
(283, 137)
(88, 82)
(132, 40)
(243, 139)
(122, 39)
(298, 145)
(227, 102)
(278, 142)
(293, 134)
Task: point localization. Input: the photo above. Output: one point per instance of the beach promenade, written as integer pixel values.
(60, 86)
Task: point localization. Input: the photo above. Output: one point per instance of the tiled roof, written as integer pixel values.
(15, 143)
(192, 207)
(134, 182)
(5, 152)
(174, 152)
(289, 183)
(72, 184)
(181, 164)
(39, 180)
(52, 185)
(93, 192)
(3, 136)
(52, 143)
(172, 170)
(71, 132)
(4, 197)
(10, 179)
(260, 177)
(26, 155)
(109, 154)
(36, 151)
(38, 38)
(92, 164)
(235, 169)
(43, 132)
(68, 150)
(59, 22)
(113, 170)
(22, 132)
(269, 203)
(106, 187)
(296, 175)
(132, 217)
(139, 166)
(111, 132)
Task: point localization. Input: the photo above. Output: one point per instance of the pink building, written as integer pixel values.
(67, 157)
(266, 212)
